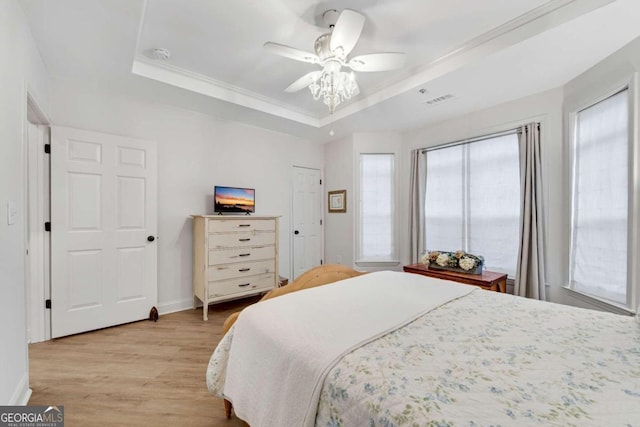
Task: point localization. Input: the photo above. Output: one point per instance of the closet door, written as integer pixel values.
(307, 216)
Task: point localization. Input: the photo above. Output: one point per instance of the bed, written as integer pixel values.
(396, 349)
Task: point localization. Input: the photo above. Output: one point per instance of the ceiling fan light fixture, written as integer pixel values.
(331, 84)
(334, 87)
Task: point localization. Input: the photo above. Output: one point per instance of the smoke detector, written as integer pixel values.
(159, 53)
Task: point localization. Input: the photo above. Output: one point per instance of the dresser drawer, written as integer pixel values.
(233, 286)
(240, 269)
(234, 256)
(234, 240)
(226, 225)
(225, 256)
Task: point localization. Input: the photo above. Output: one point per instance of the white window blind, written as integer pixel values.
(472, 200)
(377, 183)
(600, 199)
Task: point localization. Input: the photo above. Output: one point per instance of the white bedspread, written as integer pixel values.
(283, 348)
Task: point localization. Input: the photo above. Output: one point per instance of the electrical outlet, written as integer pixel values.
(339, 259)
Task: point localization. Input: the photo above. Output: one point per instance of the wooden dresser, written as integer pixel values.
(489, 280)
(233, 257)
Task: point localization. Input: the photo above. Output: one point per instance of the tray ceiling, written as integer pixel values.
(464, 48)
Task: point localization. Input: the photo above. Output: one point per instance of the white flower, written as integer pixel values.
(442, 260)
(467, 263)
(424, 258)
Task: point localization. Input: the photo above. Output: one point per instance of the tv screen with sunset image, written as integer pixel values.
(234, 200)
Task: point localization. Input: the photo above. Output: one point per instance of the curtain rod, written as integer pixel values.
(476, 139)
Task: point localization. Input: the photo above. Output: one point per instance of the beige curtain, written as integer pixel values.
(416, 205)
(530, 274)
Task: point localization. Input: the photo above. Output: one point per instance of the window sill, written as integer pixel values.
(602, 304)
(380, 263)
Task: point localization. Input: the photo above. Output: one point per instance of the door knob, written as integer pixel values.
(151, 238)
(296, 232)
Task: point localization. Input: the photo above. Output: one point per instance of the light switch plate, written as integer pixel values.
(11, 212)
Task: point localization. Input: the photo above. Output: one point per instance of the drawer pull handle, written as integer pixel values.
(244, 240)
(244, 225)
(244, 284)
(244, 254)
(244, 269)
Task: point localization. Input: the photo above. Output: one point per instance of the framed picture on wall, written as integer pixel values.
(337, 201)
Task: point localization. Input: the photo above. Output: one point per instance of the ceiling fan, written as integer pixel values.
(331, 52)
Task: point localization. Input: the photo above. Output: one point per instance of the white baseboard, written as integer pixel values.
(22, 393)
(175, 305)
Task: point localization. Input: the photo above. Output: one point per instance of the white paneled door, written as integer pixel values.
(307, 216)
(103, 230)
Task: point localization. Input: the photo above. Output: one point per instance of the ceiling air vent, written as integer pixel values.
(439, 99)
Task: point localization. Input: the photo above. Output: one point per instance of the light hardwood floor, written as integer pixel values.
(139, 374)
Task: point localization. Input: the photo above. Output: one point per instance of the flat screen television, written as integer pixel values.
(234, 200)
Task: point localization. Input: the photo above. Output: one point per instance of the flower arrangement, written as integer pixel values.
(460, 261)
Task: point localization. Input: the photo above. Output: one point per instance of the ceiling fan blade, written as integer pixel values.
(377, 61)
(291, 52)
(304, 81)
(347, 31)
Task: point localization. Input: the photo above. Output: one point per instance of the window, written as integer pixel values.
(472, 200)
(600, 193)
(377, 201)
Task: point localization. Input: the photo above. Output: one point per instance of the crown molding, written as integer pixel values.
(208, 86)
(536, 21)
(530, 24)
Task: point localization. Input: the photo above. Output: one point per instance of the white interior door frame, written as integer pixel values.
(37, 211)
(292, 225)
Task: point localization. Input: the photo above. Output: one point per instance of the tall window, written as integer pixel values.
(600, 199)
(377, 201)
(472, 200)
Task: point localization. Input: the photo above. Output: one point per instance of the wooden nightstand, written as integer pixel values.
(489, 280)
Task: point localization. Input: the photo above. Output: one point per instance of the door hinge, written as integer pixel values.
(47, 303)
(320, 262)
(320, 222)
(47, 226)
(320, 182)
(47, 148)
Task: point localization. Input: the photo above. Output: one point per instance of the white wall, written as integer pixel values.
(339, 232)
(195, 152)
(544, 107)
(22, 70)
(341, 172)
(550, 108)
